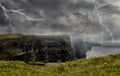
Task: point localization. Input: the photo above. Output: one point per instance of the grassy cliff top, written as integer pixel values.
(45, 39)
(12, 36)
(101, 66)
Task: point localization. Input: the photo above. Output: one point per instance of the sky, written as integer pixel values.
(94, 20)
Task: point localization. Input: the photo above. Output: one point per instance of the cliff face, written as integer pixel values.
(36, 48)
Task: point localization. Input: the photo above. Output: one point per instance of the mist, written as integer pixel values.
(88, 22)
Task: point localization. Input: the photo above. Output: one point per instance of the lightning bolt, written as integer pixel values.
(100, 19)
(23, 14)
(11, 29)
(102, 5)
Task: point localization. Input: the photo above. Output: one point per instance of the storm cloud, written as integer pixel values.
(74, 17)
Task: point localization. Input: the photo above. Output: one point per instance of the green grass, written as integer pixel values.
(17, 35)
(10, 36)
(102, 66)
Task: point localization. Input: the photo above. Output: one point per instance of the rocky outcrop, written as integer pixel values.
(37, 48)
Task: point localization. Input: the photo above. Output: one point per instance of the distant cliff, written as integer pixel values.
(56, 48)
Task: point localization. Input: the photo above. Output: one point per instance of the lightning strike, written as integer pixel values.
(101, 21)
(23, 14)
(10, 27)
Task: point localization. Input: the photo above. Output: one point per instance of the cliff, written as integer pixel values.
(56, 48)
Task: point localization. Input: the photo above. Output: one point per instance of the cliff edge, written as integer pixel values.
(45, 48)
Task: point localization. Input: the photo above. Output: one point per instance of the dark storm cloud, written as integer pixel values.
(110, 9)
(46, 4)
(58, 15)
(81, 4)
(3, 19)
